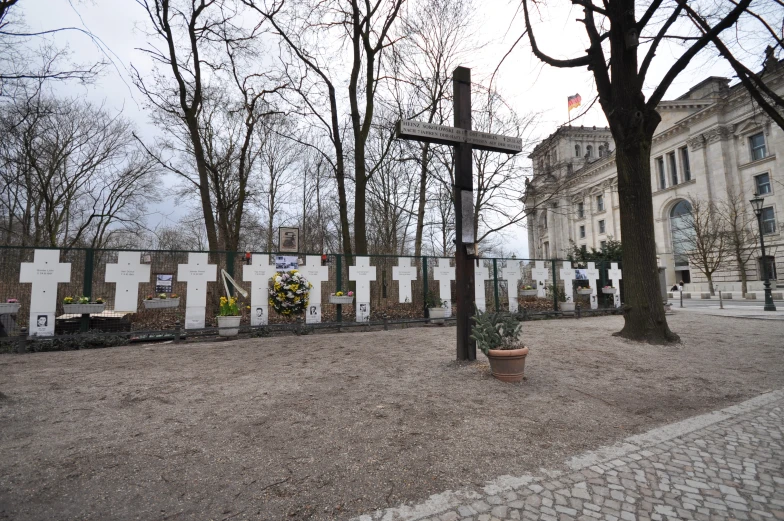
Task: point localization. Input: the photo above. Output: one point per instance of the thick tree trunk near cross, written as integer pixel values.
(633, 120)
(464, 140)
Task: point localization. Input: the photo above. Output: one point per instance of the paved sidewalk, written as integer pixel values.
(728, 464)
(729, 310)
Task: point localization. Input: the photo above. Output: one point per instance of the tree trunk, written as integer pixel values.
(360, 184)
(710, 284)
(643, 310)
(204, 185)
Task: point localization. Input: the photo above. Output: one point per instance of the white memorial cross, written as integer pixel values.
(567, 275)
(45, 272)
(512, 275)
(445, 274)
(197, 273)
(404, 273)
(481, 274)
(541, 275)
(593, 275)
(614, 275)
(316, 274)
(363, 273)
(127, 274)
(259, 273)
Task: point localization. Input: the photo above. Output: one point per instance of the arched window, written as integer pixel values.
(589, 151)
(601, 150)
(577, 151)
(682, 232)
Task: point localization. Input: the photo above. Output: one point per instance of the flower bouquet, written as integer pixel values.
(289, 293)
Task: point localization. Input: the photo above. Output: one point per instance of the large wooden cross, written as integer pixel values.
(464, 140)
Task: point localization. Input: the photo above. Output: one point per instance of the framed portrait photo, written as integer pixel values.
(288, 239)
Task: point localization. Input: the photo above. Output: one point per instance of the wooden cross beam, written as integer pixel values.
(464, 140)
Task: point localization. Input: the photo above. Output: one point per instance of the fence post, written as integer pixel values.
(87, 286)
(177, 331)
(555, 287)
(230, 269)
(495, 285)
(339, 284)
(424, 285)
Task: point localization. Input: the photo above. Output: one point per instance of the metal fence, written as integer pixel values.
(89, 268)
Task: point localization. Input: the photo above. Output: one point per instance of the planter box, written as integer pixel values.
(83, 309)
(567, 307)
(705, 295)
(228, 322)
(340, 300)
(584, 291)
(158, 303)
(528, 292)
(10, 308)
(609, 291)
(436, 315)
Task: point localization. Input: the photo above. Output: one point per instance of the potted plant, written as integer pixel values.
(608, 290)
(228, 317)
(560, 295)
(83, 306)
(10, 307)
(584, 290)
(435, 307)
(341, 298)
(528, 291)
(497, 336)
(162, 301)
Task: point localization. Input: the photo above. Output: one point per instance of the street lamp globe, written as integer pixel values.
(756, 204)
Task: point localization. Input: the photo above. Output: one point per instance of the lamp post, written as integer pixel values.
(756, 204)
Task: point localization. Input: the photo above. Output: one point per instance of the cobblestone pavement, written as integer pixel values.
(728, 464)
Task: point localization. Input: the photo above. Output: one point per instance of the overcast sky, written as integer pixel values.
(522, 79)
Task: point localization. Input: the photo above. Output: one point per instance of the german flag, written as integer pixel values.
(574, 101)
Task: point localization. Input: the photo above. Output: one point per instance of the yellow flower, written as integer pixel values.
(247, 307)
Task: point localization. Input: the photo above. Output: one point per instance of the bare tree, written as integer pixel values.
(74, 174)
(703, 233)
(437, 37)
(278, 157)
(299, 27)
(742, 233)
(615, 29)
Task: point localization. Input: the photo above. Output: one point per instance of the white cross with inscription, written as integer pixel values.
(481, 274)
(512, 275)
(567, 276)
(316, 274)
(259, 273)
(127, 274)
(541, 275)
(404, 273)
(363, 273)
(444, 274)
(45, 272)
(197, 273)
(614, 274)
(593, 275)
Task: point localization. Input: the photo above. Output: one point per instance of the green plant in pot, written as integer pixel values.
(498, 337)
(435, 307)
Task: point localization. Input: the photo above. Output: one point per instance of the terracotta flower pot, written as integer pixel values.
(508, 366)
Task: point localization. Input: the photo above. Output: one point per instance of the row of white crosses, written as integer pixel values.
(567, 274)
(46, 271)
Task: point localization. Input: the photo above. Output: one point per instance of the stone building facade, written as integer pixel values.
(712, 144)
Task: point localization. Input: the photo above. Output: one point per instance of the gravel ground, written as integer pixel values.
(329, 426)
